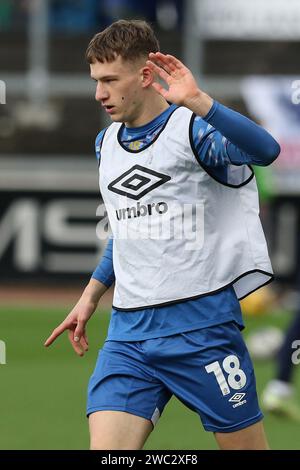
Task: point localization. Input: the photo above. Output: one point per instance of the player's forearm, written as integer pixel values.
(248, 142)
(102, 278)
(104, 272)
(93, 291)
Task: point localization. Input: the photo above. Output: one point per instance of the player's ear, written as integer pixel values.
(147, 77)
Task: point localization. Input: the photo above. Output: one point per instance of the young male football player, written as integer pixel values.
(187, 243)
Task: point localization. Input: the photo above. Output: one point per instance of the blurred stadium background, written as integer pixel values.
(244, 54)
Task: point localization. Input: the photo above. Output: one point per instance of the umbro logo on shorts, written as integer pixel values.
(137, 182)
(237, 399)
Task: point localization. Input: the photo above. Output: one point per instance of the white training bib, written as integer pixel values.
(178, 233)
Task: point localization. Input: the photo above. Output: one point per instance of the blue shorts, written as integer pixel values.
(209, 370)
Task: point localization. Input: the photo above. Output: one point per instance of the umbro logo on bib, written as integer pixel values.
(137, 182)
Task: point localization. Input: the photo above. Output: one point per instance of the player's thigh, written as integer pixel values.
(117, 430)
(250, 438)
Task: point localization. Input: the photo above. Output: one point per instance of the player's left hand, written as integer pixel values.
(182, 86)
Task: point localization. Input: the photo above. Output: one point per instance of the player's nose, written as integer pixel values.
(101, 93)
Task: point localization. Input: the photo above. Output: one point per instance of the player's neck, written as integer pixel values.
(153, 107)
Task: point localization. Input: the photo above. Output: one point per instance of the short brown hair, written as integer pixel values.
(131, 39)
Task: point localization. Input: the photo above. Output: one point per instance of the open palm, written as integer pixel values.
(182, 86)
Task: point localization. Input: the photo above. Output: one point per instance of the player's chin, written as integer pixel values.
(117, 117)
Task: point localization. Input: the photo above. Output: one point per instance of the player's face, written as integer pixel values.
(119, 89)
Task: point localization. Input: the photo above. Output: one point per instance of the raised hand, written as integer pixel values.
(182, 85)
(182, 89)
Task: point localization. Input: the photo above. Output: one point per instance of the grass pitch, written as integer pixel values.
(43, 391)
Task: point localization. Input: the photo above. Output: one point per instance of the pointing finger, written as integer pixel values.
(58, 331)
